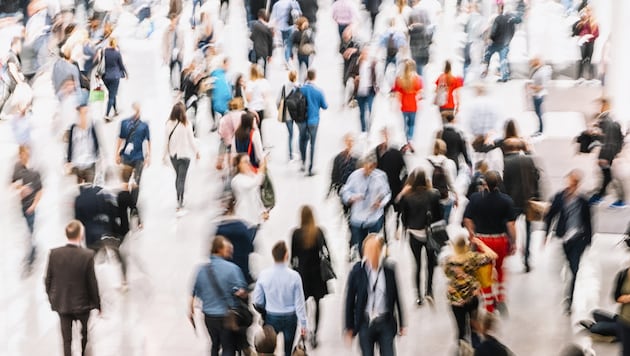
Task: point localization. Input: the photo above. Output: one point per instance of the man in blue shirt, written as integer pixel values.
(279, 292)
(129, 148)
(367, 192)
(217, 285)
(308, 130)
(281, 12)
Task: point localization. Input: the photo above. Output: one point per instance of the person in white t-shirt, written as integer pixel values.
(246, 189)
(257, 93)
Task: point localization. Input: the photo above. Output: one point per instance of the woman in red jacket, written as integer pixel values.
(409, 87)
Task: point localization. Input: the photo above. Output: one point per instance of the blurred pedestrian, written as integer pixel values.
(540, 76)
(315, 101)
(408, 86)
(447, 91)
(261, 36)
(114, 71)
(130, 149)
(83, 146)
(246, 189)
(587, 29)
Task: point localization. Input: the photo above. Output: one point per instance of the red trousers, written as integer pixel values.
(501, 246)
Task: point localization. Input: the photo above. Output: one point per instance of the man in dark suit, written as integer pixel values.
(373, 307)
(71, 285)
(392, 162)
(574, 225)
(520, 178)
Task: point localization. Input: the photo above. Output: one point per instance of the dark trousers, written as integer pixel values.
(365, 105)
(289, 124)
(538, 101)
(416, 248)
(388, 207)
(528, 236)
(586, 51)
(285, 324)
(606, 179)
(573, 250)
(463, 315)
(358, 233)
(127, 201)
(86, 174)
(181, 169)
(175, 65)
(308, 134)
(66, 330)
(222, 339)
(137, 166)
(605, 324)
(381, 332)
(112, 90)
(30, 223)
(624, 332)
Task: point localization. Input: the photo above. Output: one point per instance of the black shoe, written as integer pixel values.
(528, 268)
(587, 324)
(419, 301)
(313, 340)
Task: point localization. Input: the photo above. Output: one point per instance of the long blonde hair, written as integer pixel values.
(308, 227)
(408, 77)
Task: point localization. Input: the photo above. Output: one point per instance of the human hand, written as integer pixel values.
(147, 161)
(303, 331)
(348, 337)
(118, 159)
(402, 331)
(355, 199)
(25, 191)
(197, 156)
(512, 250)
(31, 209)
(265, 215)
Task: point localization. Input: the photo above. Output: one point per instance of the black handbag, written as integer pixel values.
(437, 236)
(237, 318)
(325, 265)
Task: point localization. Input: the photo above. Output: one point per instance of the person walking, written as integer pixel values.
(408, 86)
(521, 179)
(419, 205)
(315, 101)
(114, 71)
(303, 41)
(83, 146)
(365, 87)
(279, 293)
(27, 182)
(391, 161)
(173, 51)
(420, 39)
(573, 226)
(247, 140)
(228, 125)
(447, 91)
(367, 193)
(463, 289)
(180, 148)
(218, 284)
(373, 307)
(393, 40)
(443, 172)
(287, 89)
(612, 140)
(489, 216)
(221, 93)
(283, 15)
(456, 143)
(501, 34)
(344, 14)
(130, 145)
(71, 285)
(257, 93)
(246, 189)
(261, 36)
(240, 235)
(587, 30)
(308, 248)
(539, 77)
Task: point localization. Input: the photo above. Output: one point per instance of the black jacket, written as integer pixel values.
(611, 138)
(456, 145)
(94, 139)
(343, 166)
(98, 212)
(262, 37)
(420, 39)
(393, 164)
(70, 280)
(520, 178)
(242, 238)
(357, 296)
(557, 209)
(309, 10)
(414, 207)
(503, 29)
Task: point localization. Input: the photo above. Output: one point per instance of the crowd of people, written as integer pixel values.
(73, 48)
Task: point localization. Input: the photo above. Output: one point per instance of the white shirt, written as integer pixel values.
(376, 302)
(83, 151)
(541, 77)
(450, 169)
(182, 142)
(256, 92)
(365, 75)
(246, 190)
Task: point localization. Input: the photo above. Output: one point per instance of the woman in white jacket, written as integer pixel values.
(246, 189)
(180, 147)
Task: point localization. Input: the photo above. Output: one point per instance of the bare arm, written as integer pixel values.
(470, 226)
(119, 144)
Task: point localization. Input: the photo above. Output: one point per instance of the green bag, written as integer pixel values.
(267, 194)
(97, 95)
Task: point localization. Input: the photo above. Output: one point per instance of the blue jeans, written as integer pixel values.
(365, 104)
(538, 109)
(410, 124)
(285, 324)
(358, 233)
(30, 223)
(286, 35)
(112, 90)
(381, 332)
(446, 210)
(289, 124)
(503, 54)
(308, 134)
(341, 29)
(306, 60)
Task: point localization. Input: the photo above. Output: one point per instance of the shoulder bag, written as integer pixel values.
(129, 136)
(237, 318)
(282, 116)
(437, 236)
(267, 193)
(325, 265)
(168, 143)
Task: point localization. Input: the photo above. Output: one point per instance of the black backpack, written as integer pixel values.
(296, 105)
(438, 179)
(392, 48)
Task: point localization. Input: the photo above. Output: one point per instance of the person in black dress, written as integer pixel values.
(308, 246)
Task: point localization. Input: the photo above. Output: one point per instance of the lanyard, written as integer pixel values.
(378, 275)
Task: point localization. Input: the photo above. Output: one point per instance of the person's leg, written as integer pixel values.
(487, 57)
(573, 250)
(370, 101)
(341, 29)
(503, 58)
(416, 250)
(83, 319)
(467, 59)
(411, 125)
(446, 210)
(385, 338)
(286, 35)
(459, 312)
(528, 240)
(261, 117)
(472, 308)
(589, 46)
(432, 262)
(624, 333)
(317, 315)
(30, 223)
(362, 103)
(214, 326)
(65, 321)
(538, 101)
(182, 172)
(606, 179)
(138, 166)
(228, 342)
(114, 94)
(110, 94)
(583, 60)
(303, 141)
(289, 124)
(290, 326)
(366, 341)
(312, 133)
(501, 247)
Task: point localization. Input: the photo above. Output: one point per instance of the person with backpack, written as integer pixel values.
(288, 90)
(303, 41)
(392, 41)
(315, 101)
(283, 15)
(443, 171)
(247, 140)
(83, 146)
(612, 140)
(446, 92)
(221, 93)
(409, 89)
